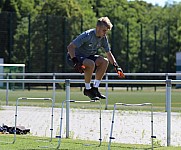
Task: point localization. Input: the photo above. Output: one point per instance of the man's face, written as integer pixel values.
(101, 31)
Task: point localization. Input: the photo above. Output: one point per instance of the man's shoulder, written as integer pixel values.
(90, 32)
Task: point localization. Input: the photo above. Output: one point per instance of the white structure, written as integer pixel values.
(1, 71)
(178, 67)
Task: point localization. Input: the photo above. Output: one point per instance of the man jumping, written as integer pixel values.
(82, 55)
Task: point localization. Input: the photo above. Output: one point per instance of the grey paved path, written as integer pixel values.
(129, 127)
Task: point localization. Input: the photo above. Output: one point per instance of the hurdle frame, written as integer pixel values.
(78, 101)
(27, 98)
(124, 104)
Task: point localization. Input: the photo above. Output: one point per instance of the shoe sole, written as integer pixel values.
(92, 98)
(102, 97)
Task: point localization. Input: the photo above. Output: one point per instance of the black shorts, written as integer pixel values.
(80, 58)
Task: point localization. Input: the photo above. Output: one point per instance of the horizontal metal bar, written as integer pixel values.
(82, 81)
(78, 74)
(83, 101)
(28, 98)
(143, 104)
(146, 74)
(10, 65)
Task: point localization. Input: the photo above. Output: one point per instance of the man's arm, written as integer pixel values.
(71, 49)
(110, 57)
(77, 65)
(112, 60)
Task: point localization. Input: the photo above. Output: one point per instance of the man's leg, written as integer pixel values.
(101, 67)
(101, 64)
(89, 69)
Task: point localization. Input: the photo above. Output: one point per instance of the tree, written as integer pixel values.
(54, 29)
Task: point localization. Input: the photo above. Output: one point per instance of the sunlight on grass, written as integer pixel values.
(157, 98)
(30, 142)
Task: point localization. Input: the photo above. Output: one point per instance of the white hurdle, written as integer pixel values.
(123, 104)
(16, 112)
(61, 119)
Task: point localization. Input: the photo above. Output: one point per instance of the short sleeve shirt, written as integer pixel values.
(88, 43)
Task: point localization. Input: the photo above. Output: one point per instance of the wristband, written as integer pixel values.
(115, 64)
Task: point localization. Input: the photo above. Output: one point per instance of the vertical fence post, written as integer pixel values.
(141, 47)
(7, 89)
(168, 101)
(29, 43)
(10, 36)
(127, 49)
(64, 46)
(67, 84)
(166, 75)
(168, 49)
(106, 91)
(54, 88)
(46, 61)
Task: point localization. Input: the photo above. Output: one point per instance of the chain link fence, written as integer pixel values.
(40, 42)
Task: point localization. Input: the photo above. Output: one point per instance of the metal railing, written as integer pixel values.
(55, 76)
(167, 82)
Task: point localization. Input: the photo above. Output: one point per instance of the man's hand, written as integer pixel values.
(118, 70)
(77, 65)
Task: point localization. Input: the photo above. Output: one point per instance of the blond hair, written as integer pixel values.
(104, 21)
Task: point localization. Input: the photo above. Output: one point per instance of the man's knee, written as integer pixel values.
(101, 61)
(89, 63)
(106, 61)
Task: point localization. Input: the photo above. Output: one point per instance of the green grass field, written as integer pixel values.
(24, 142)
(157, 98)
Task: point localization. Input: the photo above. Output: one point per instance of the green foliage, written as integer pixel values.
(61, 8)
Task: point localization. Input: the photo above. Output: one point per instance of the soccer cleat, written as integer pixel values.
(91, 94)
(97, 93)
